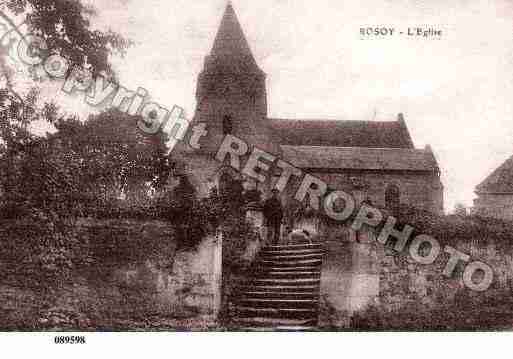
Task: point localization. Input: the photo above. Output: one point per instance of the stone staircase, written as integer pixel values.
(282, 293)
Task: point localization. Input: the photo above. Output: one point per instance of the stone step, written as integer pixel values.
(310, 289)
(292, 257)
(278, 303)
(267, 269)
(278, 329)
(287, 281)
(283, 313)
(263, 322)
(291, 263)
(291, 247)
(291, 275)
(282, 292)
(293, 252)
(277, 295)
(285, 272)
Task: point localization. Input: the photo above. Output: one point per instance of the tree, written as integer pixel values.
(19, 148)
(46, 180)
(66, 28)
(115, 156)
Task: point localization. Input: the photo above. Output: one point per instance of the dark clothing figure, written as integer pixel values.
(252, 196)
(273, 214)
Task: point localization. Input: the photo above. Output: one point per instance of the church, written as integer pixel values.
(376, 161)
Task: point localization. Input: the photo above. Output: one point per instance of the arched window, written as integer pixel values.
(392, 196)
(227, 125)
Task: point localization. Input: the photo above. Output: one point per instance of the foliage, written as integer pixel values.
(48, 183)
(15, 117)
(193, 218)
(453, 229)
(41, 180)
(237, 235)
(231, 193)
(36, 173)
(461, 315)
(118, 243)
(85, 166)
(36, 253)
(447, 229)
(50, 287)
(41, 177)
(115, 156)
(51, 181)
(66, 27)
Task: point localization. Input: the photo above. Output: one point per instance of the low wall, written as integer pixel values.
(426, 284)
(135, 278)
(365, 285)
(190, 290)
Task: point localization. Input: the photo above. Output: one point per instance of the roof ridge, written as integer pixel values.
(342, 133)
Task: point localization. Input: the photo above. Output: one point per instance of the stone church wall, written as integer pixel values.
(416, 189)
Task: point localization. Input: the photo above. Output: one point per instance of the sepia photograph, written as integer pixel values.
(283, 166)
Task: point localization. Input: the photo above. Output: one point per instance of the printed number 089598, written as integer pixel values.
(69, 340)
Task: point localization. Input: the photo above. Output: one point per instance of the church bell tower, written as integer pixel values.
(231, 92)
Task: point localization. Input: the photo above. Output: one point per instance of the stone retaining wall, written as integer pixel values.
(122, 289)
(361, 278)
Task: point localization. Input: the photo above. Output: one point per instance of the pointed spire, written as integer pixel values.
(230, 39)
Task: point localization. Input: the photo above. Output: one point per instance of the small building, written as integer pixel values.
(495, 193)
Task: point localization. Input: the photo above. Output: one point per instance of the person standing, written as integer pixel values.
(273, 214)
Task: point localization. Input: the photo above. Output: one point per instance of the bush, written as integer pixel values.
(38, 250)
(455, 316)
(237, 235)
(453, 229)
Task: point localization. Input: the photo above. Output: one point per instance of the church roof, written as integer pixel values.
(390, 134)
(230, 44)
(500, 181)
(360, 158)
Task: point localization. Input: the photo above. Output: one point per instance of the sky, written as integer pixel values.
(456, 91)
